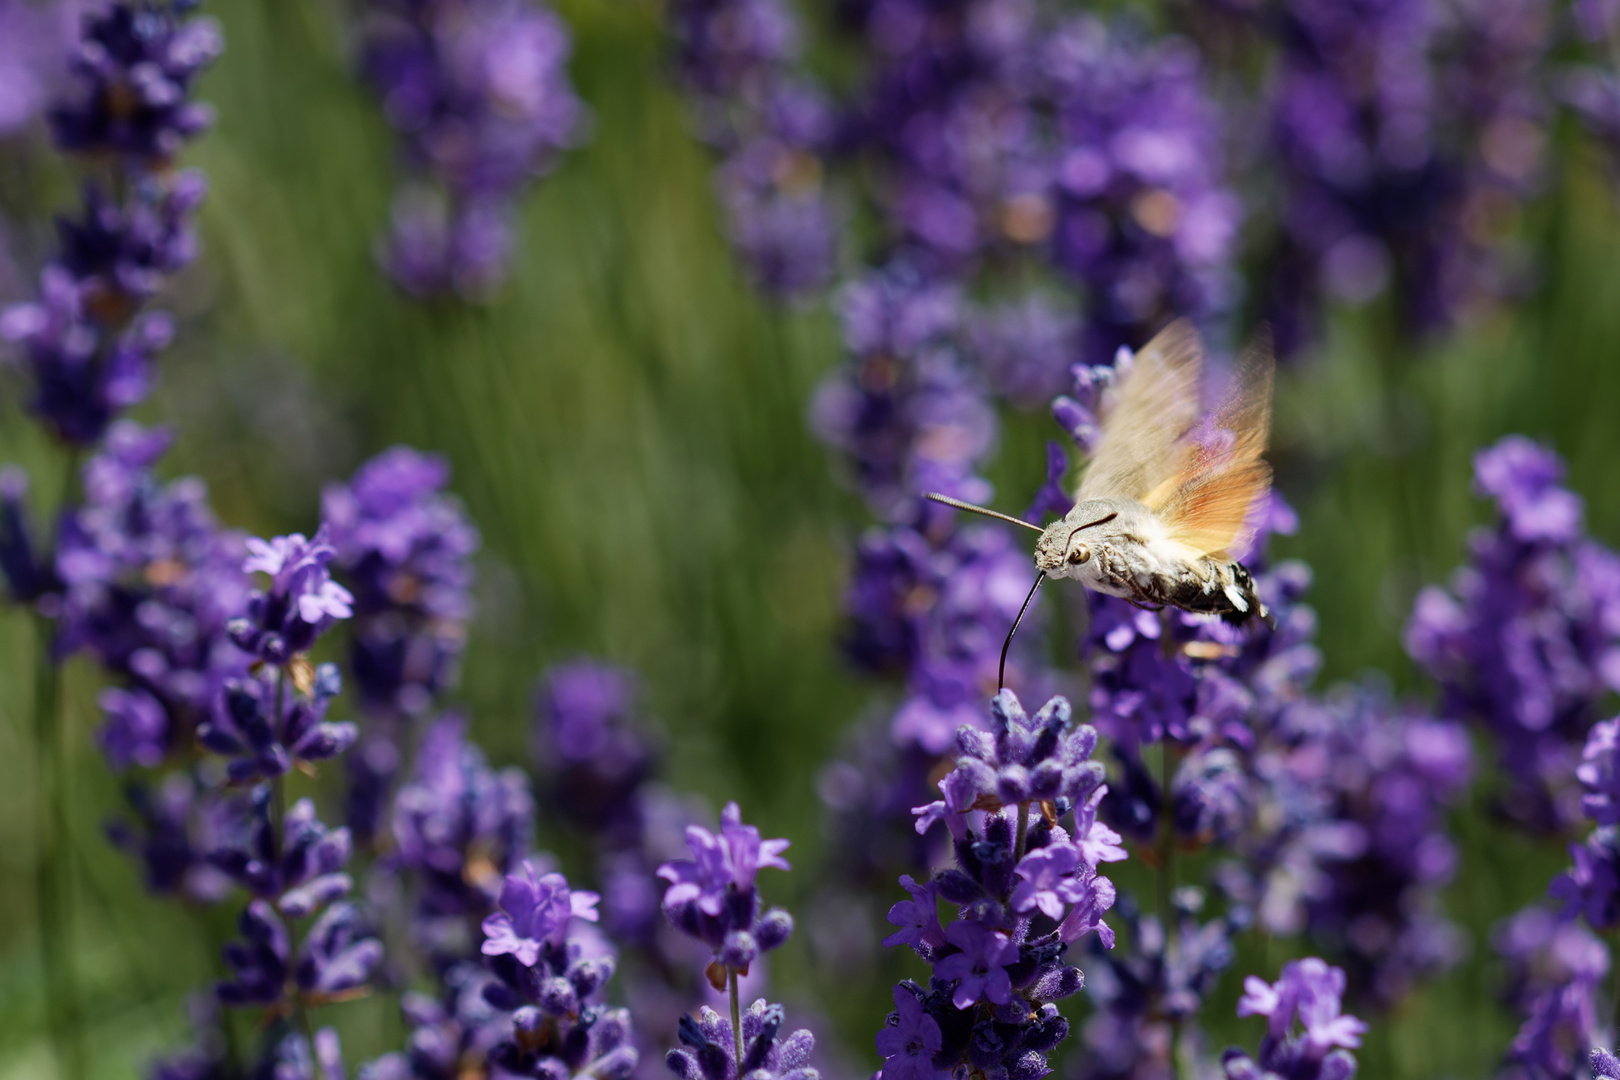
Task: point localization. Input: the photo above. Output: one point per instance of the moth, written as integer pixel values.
(1170, 492)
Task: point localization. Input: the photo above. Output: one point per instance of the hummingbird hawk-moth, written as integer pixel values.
(1170, 493)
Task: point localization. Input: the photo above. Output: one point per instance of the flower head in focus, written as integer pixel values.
(301, 604)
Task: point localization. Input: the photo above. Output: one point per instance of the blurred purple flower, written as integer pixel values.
(738, 60)
(405, 550)
(1526, 640)
(1143, 216)
(135, 64)
(479, 91)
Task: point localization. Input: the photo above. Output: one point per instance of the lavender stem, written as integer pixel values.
(736, 1017)
(53, 859)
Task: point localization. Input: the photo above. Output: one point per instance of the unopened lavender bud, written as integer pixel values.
(1338, 1065)
(589, 976)
(774, 928)
(304, 901)
(557, 997)
(683, 1065)
(739, 950)
(326, 740)
(616, 1064)
(528, 1024)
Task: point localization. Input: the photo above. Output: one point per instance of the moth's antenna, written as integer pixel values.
(1001, 673)
(960, 505)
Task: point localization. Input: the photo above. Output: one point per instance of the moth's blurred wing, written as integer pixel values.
(1211, 505)
(1154, 404)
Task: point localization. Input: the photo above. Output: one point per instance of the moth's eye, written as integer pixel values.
(1079, 554)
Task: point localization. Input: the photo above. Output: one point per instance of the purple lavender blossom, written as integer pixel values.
(909, 414)
(135, 64)
(150, 581)
(951, 114)
(595, 751)
(979, 968)
(1048, 880)
(1407, 134)
(1524, 640)
(712, 898)
(294, 866)
(918, 918)
(553, 983)
(479, 92)
(447, 1034)
(911, 1040)
(1599, 774)
(535, 910)
(85, 344)
(1555, 970)
(709, 1051)
(1026, 351)
(1309, 991)
(404, 548)
(1013, 866)
(772, 127)
(175, 826)
(271, 861)
(1143, 217)
(1590, 889)
(265, 731)
(459, 828)
(1161, 979)
(84, 370)
(301, 604)
(29, 575)
(1605, 1065)
(937, 610)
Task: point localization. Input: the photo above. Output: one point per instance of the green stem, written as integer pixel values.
(1023, 830)
(1614, 1031)
(52, 859)
(1167, 882)
(736, 1016)
(1167, 839)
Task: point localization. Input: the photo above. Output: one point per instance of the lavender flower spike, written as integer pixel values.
(712, 899)
(535, 910)
(552, 980)
(1311, 992)
(990, 1006)
(136, 64)
(1599, 773)
(302, 603)
(710, 1047)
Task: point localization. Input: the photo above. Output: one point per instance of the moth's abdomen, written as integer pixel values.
(1227, 591)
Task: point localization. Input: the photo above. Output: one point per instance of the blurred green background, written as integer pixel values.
(626, 426)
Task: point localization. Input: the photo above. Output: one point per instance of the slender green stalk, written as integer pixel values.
(54, 858)
(1023, 832)
(53, 862)
(736, 1016)
(1167, 882)
(1616, 1026)
(1167, 839)
(278, 843)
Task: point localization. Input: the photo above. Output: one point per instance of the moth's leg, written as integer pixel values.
(1118, 572)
